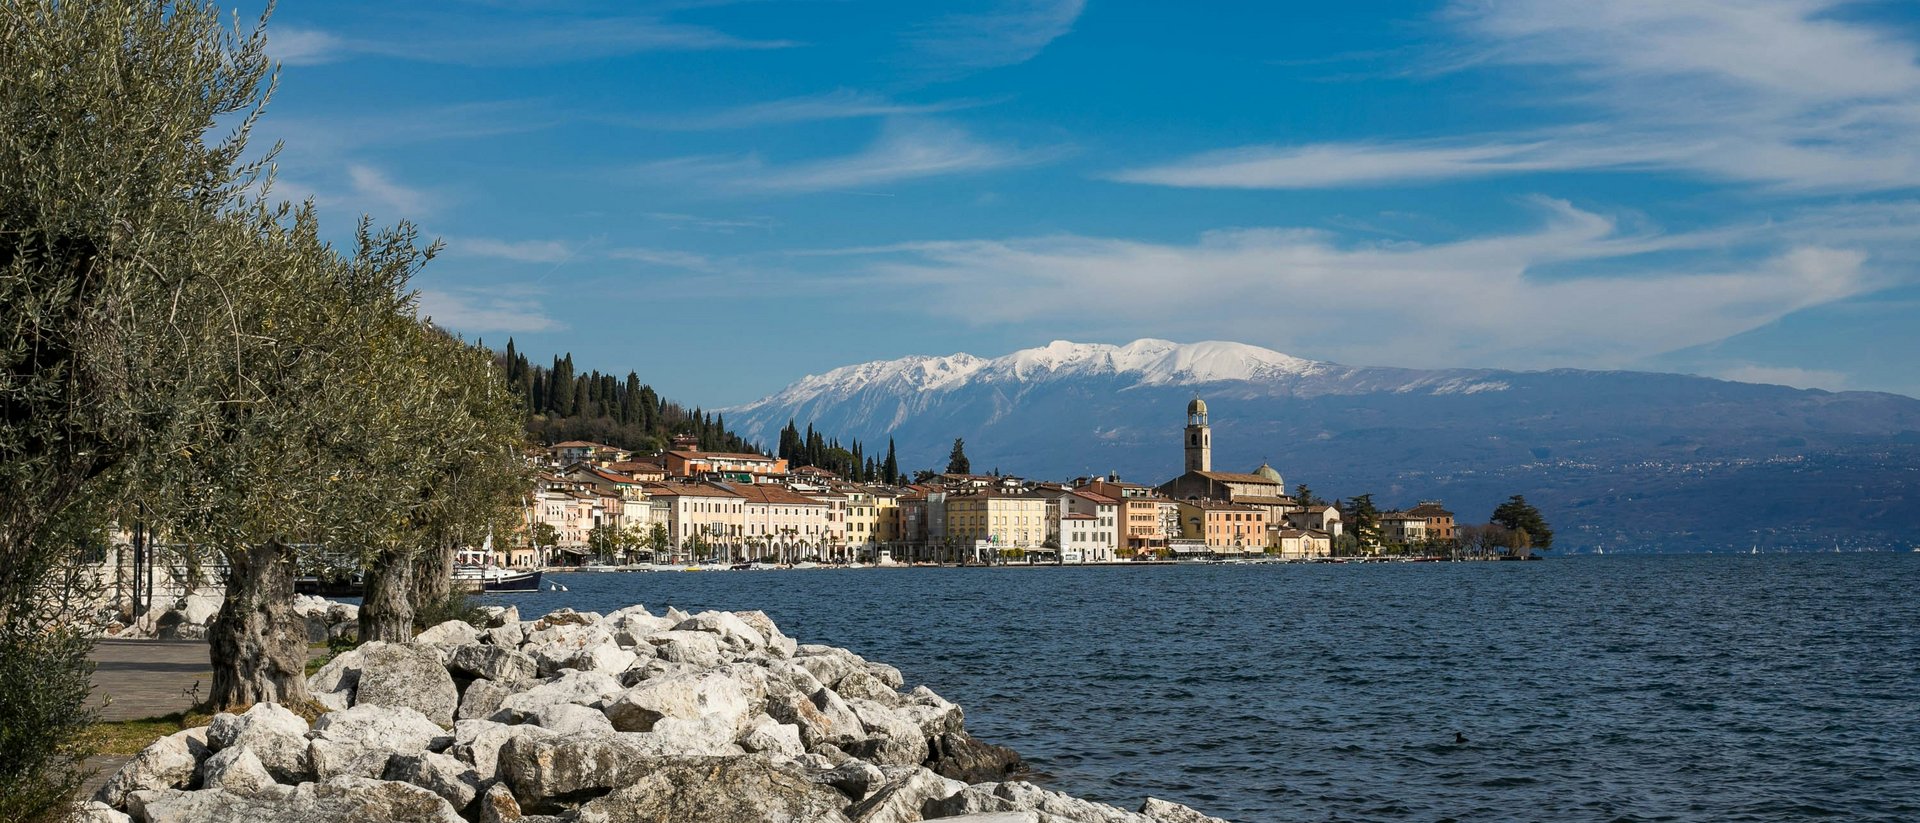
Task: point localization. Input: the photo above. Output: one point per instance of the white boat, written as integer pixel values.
(473, 570)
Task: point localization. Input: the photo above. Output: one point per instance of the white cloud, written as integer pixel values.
(474, 313)
(904, 151)
(372, 187)
(520, 251)
(840, 104)
(1012, 32)
(1778, 93)
(1487, 300)
(538, 38)
(664, 257)
(296, 46)
(1787, 376)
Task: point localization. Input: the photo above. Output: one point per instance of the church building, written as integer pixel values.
(1263, 488)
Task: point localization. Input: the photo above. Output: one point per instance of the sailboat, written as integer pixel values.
(473, 570)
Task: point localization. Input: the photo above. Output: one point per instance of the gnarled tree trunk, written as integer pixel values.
(386, 607)
(258, 645)
(433, 575)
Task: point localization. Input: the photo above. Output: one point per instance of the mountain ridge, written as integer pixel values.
(1622, 459)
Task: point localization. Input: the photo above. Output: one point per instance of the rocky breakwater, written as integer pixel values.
(715, 717)
(191, 616)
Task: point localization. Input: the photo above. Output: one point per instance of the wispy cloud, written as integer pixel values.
(840, 104)
(1778, 93)
(1012, 32)
(664, 257)
(717, 225)
(1483, 300)
(374, 191)
(298, 46)
(531, 39)
(904, 151)
(518, 251)
(471, 312)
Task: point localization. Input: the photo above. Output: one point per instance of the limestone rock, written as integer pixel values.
(735, 694)
(274, 734)
(1163, 811)
(94, 811)
(906, 799)
(583, 688)
(444, 775)
(750, 789)
(733, 631)
(698, 648)
(477, 743)
(450, 633)
(570, 718)
(334, 684)
(370, 726)
(492, 663)
(773, 737)
(498, 806)
(546, 773)
(859, 684)
(823, 717)
(891, 739)
(778, 644)
(237, 770)
(482, 698)
(342, 799)
(406, 675)
(167, 763)
(855, 778)
(962, 757)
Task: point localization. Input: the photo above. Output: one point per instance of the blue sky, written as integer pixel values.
(725, 196)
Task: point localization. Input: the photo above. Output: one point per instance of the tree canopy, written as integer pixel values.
(957, 462)
(1517, 515)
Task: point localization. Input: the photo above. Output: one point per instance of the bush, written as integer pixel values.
(456, 606)
(45, 676)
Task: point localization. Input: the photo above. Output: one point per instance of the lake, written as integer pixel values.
(1724, 688)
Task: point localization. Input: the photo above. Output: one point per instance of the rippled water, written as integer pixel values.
(1771, 687)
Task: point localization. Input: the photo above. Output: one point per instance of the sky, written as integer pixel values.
(725, 196)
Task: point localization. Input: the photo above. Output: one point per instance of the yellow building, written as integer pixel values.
(1227, 528)
(1007, 520)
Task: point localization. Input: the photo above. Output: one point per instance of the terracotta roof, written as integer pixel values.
(1264, 501)
(696, 455)
(1236, 477)
(770, 494)
(1078, 517)
(1430, 510)
(687, 490)
(1097, 498)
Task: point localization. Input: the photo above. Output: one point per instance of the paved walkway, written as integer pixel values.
(138, 679)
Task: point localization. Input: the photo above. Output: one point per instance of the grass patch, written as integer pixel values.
(128, 737)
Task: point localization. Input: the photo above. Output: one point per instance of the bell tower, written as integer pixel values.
(1199, 437)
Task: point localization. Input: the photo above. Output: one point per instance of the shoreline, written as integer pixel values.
(578, 716)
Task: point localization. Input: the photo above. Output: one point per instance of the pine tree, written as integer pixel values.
(957, 462)
(1517, 515)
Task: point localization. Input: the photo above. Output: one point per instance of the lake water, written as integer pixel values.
(1708, 688)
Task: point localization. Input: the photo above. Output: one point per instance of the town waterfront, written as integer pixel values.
(1749, 687)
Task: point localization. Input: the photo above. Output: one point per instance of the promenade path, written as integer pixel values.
(137, 679)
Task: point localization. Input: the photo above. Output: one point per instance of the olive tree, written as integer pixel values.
(115, 189)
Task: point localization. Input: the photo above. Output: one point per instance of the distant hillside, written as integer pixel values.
(1621, 460)
(562, 405)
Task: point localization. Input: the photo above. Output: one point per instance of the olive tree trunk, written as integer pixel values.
(433, 576)
(258, 644)
(386, 607)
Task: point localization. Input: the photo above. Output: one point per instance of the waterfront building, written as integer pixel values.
(1225, 528)
(1099, 538)
(1318, 517)
(1292, 543)
(1144, 521)
(704, 519)
(1402, 527)
(686, 459)
(584, 451)
(1439, 520)
(1008, 520)
(782, 523)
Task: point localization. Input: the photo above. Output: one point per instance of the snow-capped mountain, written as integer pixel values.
(1625, 458)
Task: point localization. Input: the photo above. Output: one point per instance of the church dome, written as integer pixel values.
(1269, 473)
(1198, 406)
